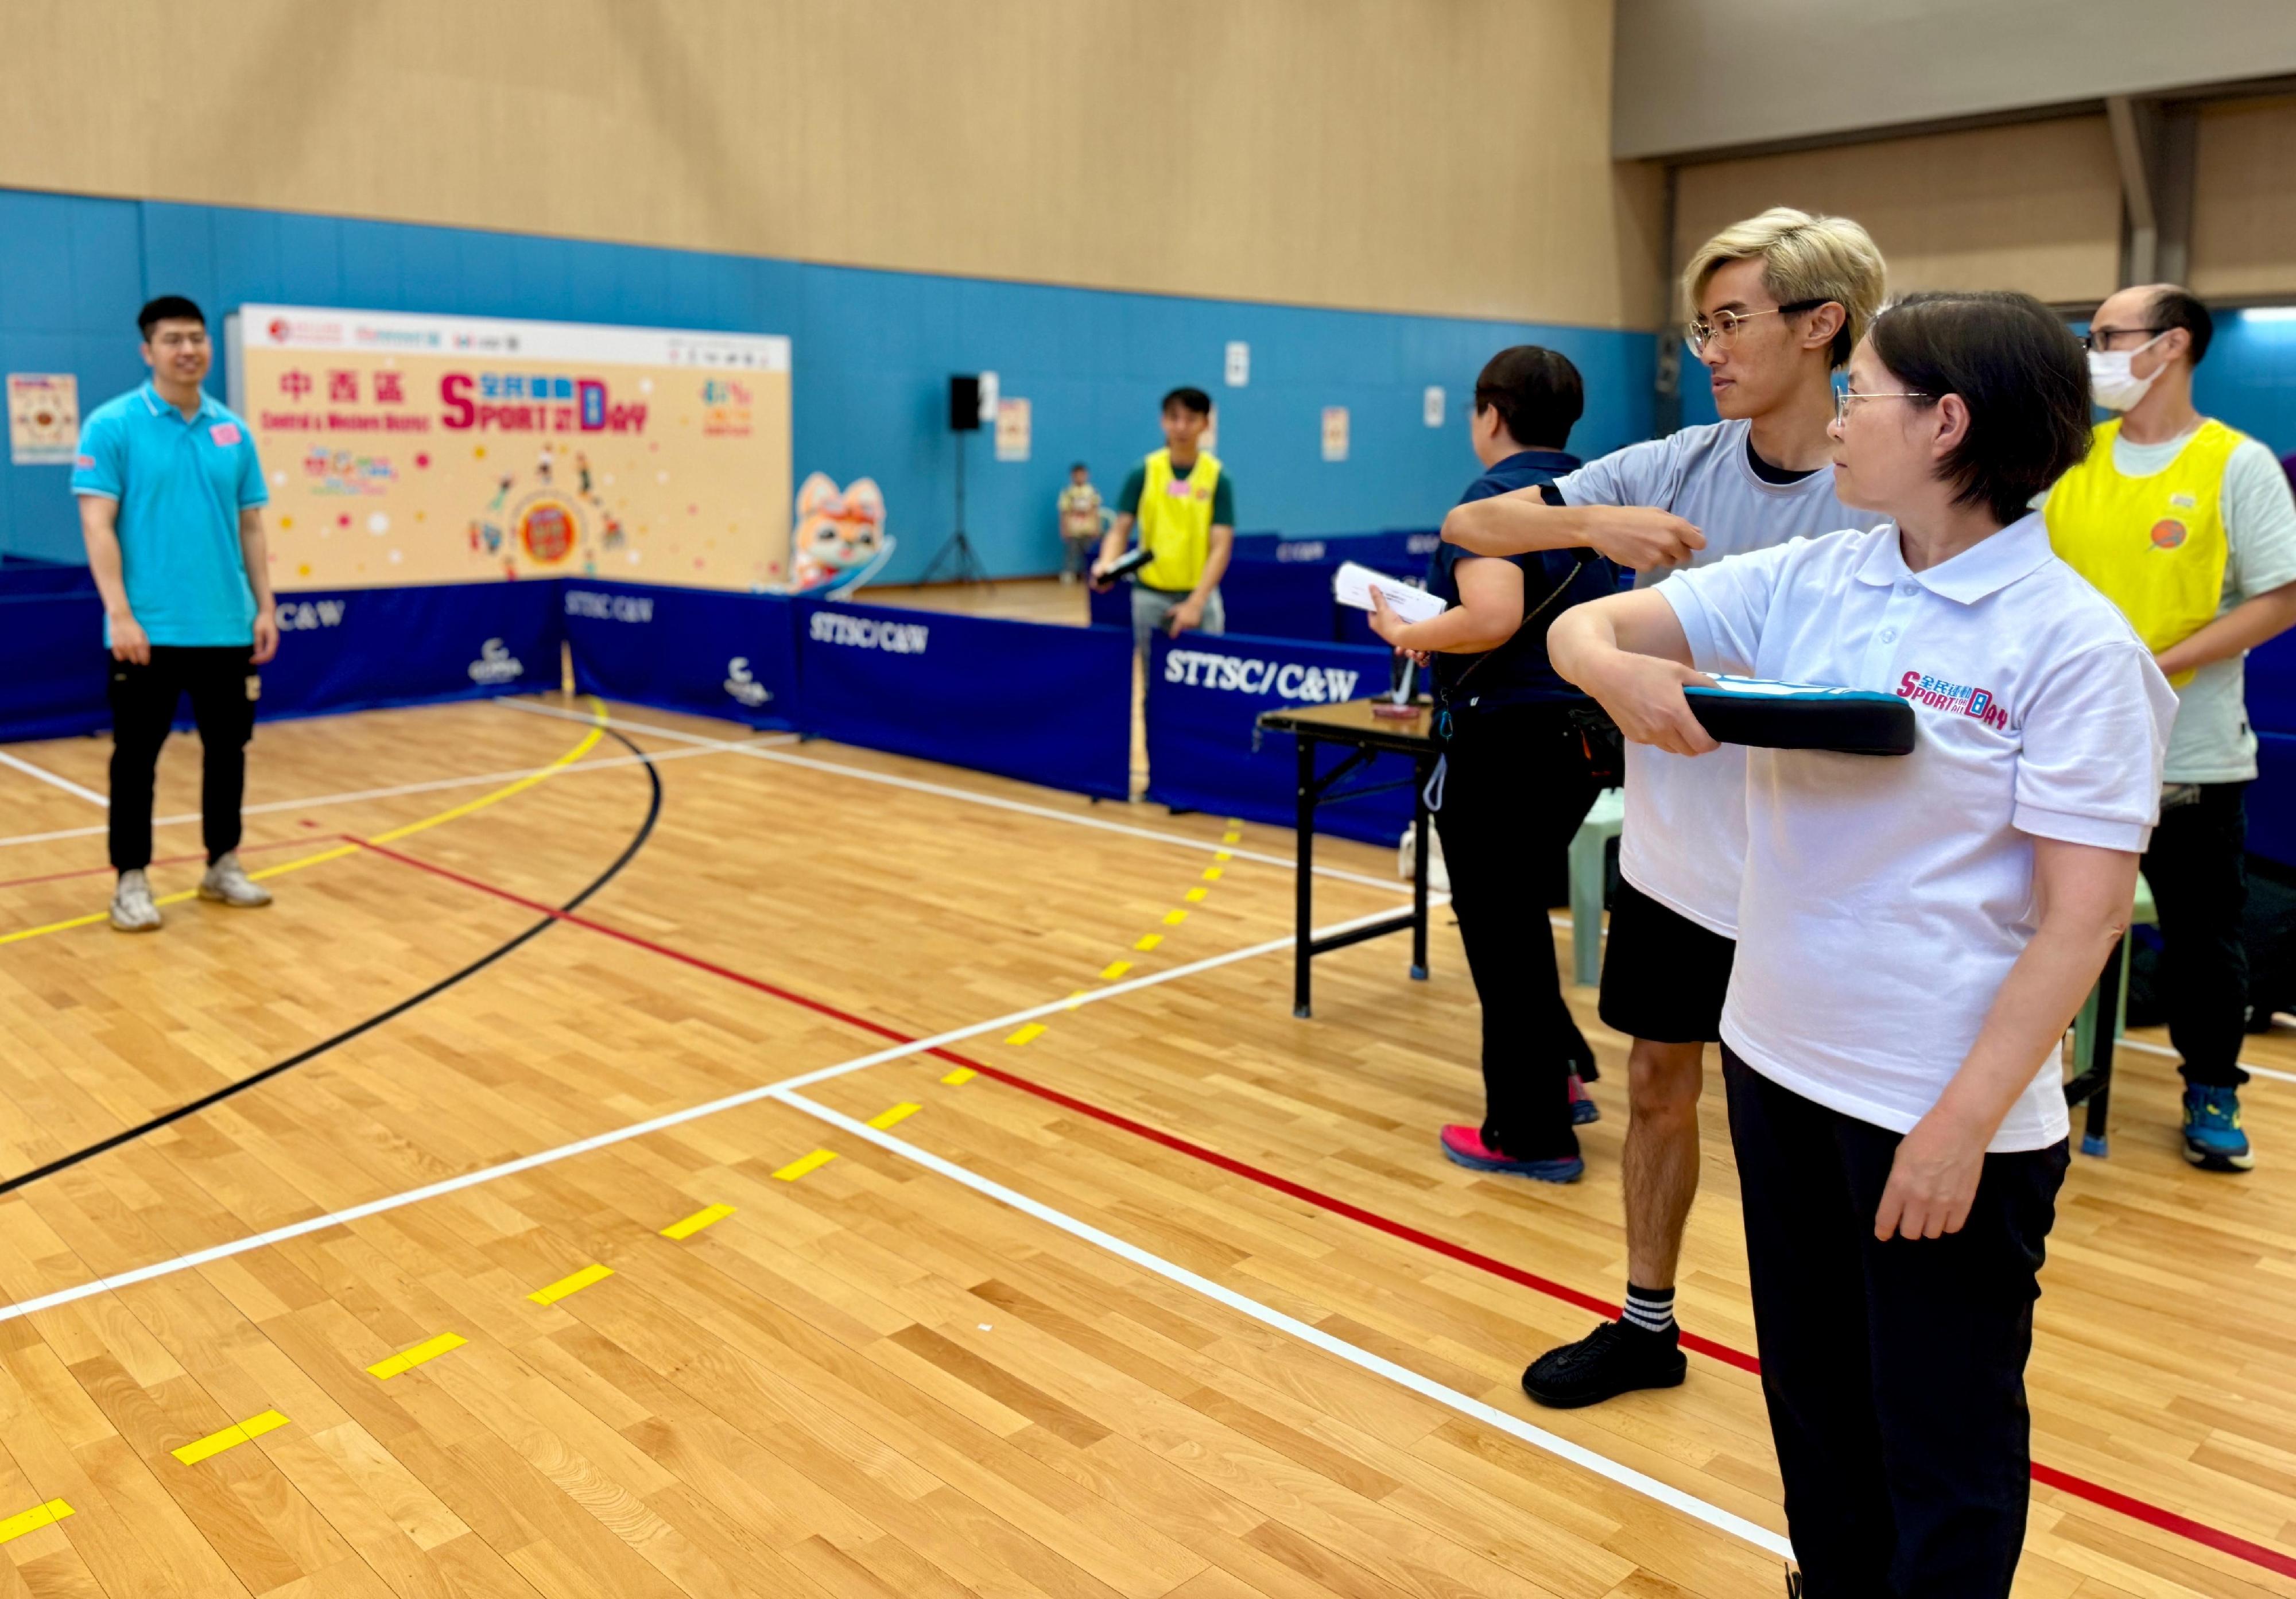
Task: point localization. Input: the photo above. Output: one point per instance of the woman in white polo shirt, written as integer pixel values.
(1915, 934)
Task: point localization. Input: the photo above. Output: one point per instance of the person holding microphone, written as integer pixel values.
(1518, 774)
(1913, 934)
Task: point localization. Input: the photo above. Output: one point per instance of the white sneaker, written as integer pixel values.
(228, 883)
(132, 910)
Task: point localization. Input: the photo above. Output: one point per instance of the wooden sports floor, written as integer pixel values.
(888, 1180)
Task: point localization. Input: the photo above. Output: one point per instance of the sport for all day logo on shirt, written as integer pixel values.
(1954, 699)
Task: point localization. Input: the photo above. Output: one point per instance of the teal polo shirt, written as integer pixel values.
(181, 484)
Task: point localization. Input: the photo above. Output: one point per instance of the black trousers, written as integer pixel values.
(221, 683)
(2198, 868)
(1517, 783)
(1894, 1372)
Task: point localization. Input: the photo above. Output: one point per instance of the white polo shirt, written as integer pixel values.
(1885, 898)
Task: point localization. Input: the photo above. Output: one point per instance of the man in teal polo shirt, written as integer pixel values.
(170, 503)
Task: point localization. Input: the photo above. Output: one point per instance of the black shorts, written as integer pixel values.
(1663, 975)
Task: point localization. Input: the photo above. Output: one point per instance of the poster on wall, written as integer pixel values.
(407, 449)
(42, 418)
(1335, 433)
(1013, 428)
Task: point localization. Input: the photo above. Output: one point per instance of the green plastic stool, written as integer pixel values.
(1604, 820)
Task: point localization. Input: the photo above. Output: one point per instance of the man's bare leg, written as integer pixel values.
(1643, 1349)
(1660, 1169)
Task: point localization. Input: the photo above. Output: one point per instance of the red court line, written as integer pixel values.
(166, 860)
(2095, 1493)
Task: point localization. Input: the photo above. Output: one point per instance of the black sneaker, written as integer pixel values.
(1613, 1359)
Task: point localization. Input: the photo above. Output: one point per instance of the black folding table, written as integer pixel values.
(1351, 726)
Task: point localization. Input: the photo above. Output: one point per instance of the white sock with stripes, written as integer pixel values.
(1651, 1309)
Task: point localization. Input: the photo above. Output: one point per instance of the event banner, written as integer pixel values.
(1205, 751)
(404, 450)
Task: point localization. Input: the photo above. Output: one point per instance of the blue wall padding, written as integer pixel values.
(873, 355)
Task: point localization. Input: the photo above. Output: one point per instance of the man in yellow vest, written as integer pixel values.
(2190, 528)
(1185, 508)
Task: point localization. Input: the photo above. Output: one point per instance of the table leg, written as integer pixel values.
(1419, 871)
(1304, 890)
(2095, 1068)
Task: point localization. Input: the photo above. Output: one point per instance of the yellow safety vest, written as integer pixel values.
(2154, 546)
(1175, 520)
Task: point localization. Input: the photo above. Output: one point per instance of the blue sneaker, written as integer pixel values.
(1465, 1147)
(1583, 1110)
(2213, 1139)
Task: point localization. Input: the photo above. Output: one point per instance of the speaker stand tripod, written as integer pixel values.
(956, 552)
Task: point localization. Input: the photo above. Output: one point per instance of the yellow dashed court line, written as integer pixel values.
(961, 1076)
(1173, 918)
(1211, 874)
(34, 1519)
(803, 1164)
(1114, 970)
(1231, 837)
(590, 742)
(1147, 940)
(697, 1221)
(575, 1283)
(1196, 896)
(230, 1437)
(898, 1114)
(429, 1349)
(1035, 1029)
(1074, 1000)
(1222, 854)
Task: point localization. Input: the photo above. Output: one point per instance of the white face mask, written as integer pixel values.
(2115, 387)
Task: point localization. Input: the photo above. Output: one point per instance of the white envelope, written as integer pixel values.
(1352, 585)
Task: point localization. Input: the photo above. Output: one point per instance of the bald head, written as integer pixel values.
(2168, 311)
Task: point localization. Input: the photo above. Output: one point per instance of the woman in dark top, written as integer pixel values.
(1519, 771)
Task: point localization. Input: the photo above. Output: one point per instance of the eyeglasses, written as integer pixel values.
(1723, 326)
(2101, 338)
(1843, 397)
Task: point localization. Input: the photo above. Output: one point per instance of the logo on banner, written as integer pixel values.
(867, 632)
(547, 529)
(609, 608)
(743, 686)
(303, 616)
(496, 663)
(1244, 675)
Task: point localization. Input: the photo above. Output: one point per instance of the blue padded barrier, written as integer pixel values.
(1204, 753)
(702, 651)
(1043, 703)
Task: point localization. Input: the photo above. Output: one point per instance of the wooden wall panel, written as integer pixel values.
(2033, 206)
(2244, 200)
(1447, 156)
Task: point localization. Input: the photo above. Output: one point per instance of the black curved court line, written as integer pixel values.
(629, 853)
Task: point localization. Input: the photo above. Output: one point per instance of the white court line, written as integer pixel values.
(1378, 1366)
(637, 1129)
(969, 795)
(430, 785)
(52, 780)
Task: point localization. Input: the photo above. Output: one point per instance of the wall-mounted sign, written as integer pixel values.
(1335, 433)
(1239, 363)
(42, 418)
(1012, 430)
(1431, 405)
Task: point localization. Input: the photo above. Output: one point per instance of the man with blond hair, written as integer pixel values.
(1776, 302)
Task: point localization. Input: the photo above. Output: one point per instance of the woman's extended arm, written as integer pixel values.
(2082, 893)
(1488, 613)
(1630, 652)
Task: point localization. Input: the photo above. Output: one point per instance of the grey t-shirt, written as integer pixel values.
(1684, 838)
(2212, 742)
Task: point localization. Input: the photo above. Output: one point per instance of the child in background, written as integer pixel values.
(1080, 522)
